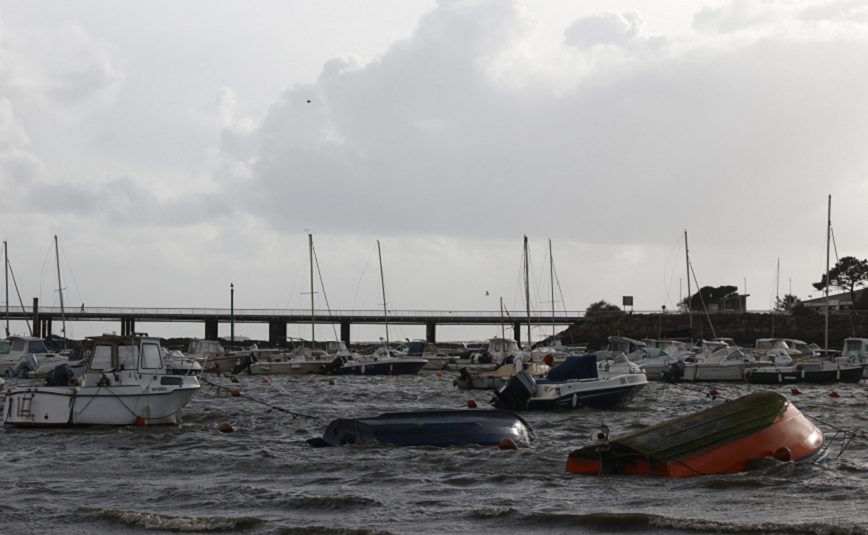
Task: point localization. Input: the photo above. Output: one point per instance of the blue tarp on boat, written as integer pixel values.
(579, 367)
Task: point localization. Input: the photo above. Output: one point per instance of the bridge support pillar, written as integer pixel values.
(211, 329)
(36, 331)
(277, 332)
(345, 332)
(431, 332)
(516, 331)
(128, 327)
(45, 328)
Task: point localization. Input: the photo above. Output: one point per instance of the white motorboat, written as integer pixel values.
(622, 365)
(377, 364)
(497, 350)
(795, 348)
(675, 348)
(726, 364)
(497, 378)
(301, 361)
(426, 350)
(856, 352)
(618, 345)
(179, 364)
(19, 346)
(125, 383)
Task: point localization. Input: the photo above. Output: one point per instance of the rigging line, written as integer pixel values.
(19, 296)
(853, 304)
(358, 287)
(322, 285)
(699, 288)
(281, 409)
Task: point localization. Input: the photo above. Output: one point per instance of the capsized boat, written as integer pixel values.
(574, 384)
(428, 428)
(719, 440)
(125, 379)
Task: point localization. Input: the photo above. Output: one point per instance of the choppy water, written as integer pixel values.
(265, 479)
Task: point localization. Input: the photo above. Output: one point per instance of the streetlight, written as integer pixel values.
(232, 311)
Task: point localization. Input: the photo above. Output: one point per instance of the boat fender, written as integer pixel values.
(506, 444)
(784, 454)
(575, 400)
(471, 403)
(148, 411)
(75, 417)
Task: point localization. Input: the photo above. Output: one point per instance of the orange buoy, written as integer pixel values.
(714, 392)
(390, 372)
(784, 454)
(799, 367)
(236, 393)
(506, 444)
(796, 391)
(265, 381)
(234, 379)
(471, 403)
(439, 374)
(225, 428)
(141, 422)
(834, 395)
(331, 381)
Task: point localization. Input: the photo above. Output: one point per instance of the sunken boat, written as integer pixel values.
(440, 428)
(726, 438)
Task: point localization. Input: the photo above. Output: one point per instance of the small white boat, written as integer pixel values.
(19, 346)
(179, 364)
(488, 359)
(856, 352)
(425, 350)
(125, 383)
(726, 364)
(618, 345)
(497, 378)
(302, 361)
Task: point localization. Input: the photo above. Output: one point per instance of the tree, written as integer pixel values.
(601, 308)
(847, 275)
(787, 303)
(708, 293)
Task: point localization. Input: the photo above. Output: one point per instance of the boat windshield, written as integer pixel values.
(128, 357)
(854, 347)
(102, 358)
(36, 346)
(150, 356)
(801, 346)
(5, 347)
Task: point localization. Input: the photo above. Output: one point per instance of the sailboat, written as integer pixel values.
(381, 362)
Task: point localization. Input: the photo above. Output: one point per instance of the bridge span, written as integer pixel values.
(44, 319)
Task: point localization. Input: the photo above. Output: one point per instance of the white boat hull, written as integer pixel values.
(694, 372)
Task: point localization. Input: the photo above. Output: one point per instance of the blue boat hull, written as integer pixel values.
(609, 398)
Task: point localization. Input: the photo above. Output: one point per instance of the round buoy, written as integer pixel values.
(799, 367)
(331, 381)
(234, 379)
(216, 364)
(784, 454)
(714, 392)
(225, 428)
(236, 393)
(390, 372)
(548, 360)
(141, 422)
(796, 391)
(834, 395)
(265, 381)
(471, 403)
(506, 444)
(439, 374)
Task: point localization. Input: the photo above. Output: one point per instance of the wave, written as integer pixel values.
(321, 530)
(179, 523)
(330, 503)
(608, 522)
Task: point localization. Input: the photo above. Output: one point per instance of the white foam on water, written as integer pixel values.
(180, 523)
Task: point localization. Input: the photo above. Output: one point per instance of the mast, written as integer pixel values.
(6, 269)
(828, 239)
(383, 284)
(552, 277)
(60, 289)
(312, 316)
(527, 292)
(502, 326)
(689, 311)
(777, 294)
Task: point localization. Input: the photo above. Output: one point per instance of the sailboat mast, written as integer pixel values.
(552, 277)
(828, 239)
(502, 326)
(383, 284)
(527, 292)
(312, 315)
(60, 289)
(6, 269)
(689, 311)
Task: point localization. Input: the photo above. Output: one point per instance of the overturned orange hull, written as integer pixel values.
(715, 441)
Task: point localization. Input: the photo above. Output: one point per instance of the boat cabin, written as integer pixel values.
(201, 347)
(502, 347)
(621, 344)
(792, 347)
(119, 360)
(856, 347)
(22, 345)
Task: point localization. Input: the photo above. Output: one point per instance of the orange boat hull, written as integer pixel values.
(792, 430)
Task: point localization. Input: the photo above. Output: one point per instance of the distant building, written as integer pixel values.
(733, 303)
(841, 301)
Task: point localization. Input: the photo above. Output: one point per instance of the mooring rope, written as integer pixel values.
(274, 407)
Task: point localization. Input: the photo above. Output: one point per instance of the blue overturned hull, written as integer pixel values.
(428, 428)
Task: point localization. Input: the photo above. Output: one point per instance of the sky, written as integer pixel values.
(177, 147)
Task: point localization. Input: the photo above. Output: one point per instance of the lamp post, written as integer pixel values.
(232, 311)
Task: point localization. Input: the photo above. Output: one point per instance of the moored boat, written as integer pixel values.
(722, 439)
(125, 380)
(806, 371)
(441, 428)
(468, 380)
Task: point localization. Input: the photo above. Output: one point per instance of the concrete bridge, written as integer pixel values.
(43, 319)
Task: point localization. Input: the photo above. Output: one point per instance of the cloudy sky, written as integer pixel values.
(178, 147)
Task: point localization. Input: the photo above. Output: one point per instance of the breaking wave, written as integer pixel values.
(179, 523)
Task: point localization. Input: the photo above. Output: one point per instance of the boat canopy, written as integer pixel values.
(417, 348)
(27, 344)
(5, 347)
(649, 353)
(115, 353)
(577, 367)
(853, 347)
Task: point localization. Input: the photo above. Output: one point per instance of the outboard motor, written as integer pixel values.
(245, 364)
(515, 394)
(506, 360)
(333, 367)
(27, 363)
(60, 376)
(674, 373)
(465, 376)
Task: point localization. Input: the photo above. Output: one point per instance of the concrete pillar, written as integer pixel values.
(46, 328)
(36, 331)
(516, 331)
(211, 329)
(345, 332)
(431, 332)
(277, 332)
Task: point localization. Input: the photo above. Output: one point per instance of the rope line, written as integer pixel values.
(274, 407)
